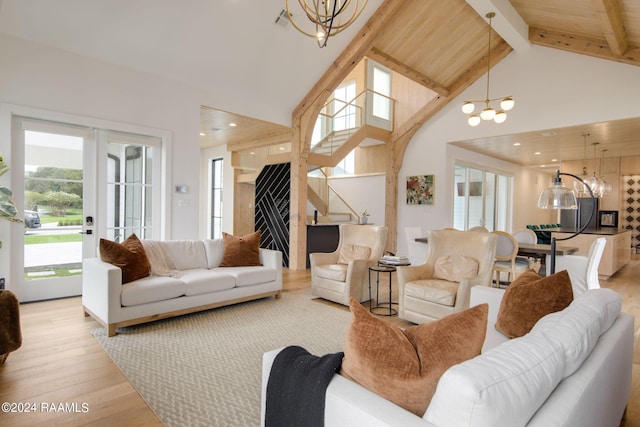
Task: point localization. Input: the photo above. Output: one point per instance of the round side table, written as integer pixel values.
(382, 308)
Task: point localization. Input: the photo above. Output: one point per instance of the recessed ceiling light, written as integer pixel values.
(554, 160)
(516, 144)
(537, 153)
(233, 124)
(281, 148)
(202, 134)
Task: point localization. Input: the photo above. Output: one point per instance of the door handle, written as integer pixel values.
(86, 232)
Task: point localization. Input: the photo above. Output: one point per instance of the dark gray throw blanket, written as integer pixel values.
(297, 386)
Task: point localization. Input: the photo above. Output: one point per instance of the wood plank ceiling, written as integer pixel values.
(440, 44)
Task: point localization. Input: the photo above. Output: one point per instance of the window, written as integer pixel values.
(130, 185)
(481, 197)
(216, 198)
(382, 89)
(343, 108)
(379, 108)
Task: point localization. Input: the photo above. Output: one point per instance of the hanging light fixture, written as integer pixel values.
(488, 113)
(594, 182)
(605, 187)
(326, 17)
(581, 185)
(560, 197)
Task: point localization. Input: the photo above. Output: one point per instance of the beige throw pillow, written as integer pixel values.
(352, 253)
(454, 268)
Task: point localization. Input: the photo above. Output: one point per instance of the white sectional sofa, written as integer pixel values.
(196, 283)
(573, 369)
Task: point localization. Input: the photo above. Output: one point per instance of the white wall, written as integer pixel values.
(552, 89)
(363, 193)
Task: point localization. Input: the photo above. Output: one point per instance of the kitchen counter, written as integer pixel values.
(617, 251)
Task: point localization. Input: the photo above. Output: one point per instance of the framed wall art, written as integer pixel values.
(420, 189)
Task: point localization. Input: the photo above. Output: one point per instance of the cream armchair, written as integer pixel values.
(456, 261)
(338, 275)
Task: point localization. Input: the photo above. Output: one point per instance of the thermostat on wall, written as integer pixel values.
(181, 189)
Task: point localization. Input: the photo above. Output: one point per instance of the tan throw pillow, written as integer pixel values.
(454, 268)
(404, 367)
(241, 251)
(128, 255)
(531, 297)
(352, 253)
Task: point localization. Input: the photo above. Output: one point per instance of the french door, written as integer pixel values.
(58, 207)
(481, 198)
(80, 183)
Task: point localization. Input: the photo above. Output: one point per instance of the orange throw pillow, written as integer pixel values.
(531, 297)
(241, 251)
(404, 367)
(128, 255)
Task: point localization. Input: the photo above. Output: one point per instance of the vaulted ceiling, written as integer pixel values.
(248, 68)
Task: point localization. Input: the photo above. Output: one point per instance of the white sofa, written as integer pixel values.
(572, 369)
(197, 283)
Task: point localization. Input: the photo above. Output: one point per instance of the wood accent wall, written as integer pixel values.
(371, 159)
(244, 196)
(409, 96)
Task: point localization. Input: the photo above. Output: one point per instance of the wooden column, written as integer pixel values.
(298, 206)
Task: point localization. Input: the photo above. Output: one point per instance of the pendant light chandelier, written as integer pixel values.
(605, 187)
(598, 186)
(326, 17)
(488, 113)
(581, 186)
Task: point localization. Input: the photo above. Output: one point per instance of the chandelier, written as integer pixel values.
(598, 186)
(488, 113)
(327, 17)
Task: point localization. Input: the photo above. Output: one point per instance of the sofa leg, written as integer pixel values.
(111, 330)
(278, 295)
(86, 314)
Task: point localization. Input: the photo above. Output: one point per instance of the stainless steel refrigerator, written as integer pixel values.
(570, 218)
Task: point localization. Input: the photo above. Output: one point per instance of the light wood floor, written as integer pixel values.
(61, 363)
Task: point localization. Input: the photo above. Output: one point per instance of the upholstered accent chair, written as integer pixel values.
(456, 261)
(507, 260)
(344, 273)
(582, 268)
(10, 333)
(525, 235)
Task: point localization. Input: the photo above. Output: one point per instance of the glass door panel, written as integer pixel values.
(55, 234)
(481, 198)
(129, 189)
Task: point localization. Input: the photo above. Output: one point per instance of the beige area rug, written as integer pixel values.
(205, 369)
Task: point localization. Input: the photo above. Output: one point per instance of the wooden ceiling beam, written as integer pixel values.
(610, 17)
(583, 45)
(507, 22)
(403, 69)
